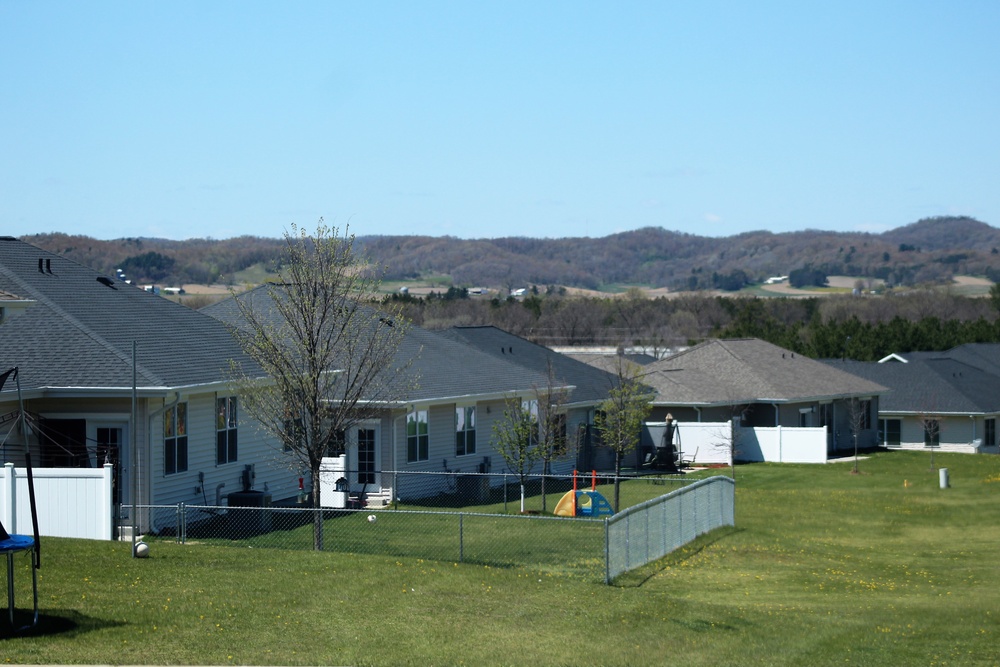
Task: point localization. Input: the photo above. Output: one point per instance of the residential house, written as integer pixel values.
(942, 400)
(763, 386)
(590, 388)
(112, 373)
(442, 424)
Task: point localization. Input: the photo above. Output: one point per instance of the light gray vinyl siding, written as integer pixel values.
(272, 467)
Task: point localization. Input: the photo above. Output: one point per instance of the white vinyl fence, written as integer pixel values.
(709, 443)
(70, 502)
(782, 444)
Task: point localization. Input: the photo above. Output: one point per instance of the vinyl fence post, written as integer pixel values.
(461, 537)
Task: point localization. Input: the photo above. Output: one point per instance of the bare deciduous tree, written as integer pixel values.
(515, 440)
(552, 440)
(330, 356)
(729, 440)
(858, 416)
(621, 415)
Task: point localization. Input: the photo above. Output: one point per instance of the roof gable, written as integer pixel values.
(931, 386)
(442, 368)
(79, 330)
(719, 372)
(591, 384)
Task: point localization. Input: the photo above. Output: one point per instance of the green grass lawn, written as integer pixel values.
(824, 567)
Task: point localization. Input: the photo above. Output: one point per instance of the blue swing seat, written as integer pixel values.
(9, 546)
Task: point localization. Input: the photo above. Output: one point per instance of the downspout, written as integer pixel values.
(973, 418)
(698, 410)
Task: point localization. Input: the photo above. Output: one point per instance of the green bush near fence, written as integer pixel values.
(824, 567)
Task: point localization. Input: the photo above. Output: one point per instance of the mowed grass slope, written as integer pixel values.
(824, 567)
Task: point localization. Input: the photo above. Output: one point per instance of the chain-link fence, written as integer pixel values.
(649, 531)
(471, 522)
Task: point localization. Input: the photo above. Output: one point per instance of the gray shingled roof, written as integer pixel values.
(722, 372)
(925, 385)
(591, 383)
(79, 331)
(443, 368)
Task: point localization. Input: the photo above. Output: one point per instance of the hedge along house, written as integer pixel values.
(948, 401)
(765, 387)
(72, 331)
(443, 423)
(591, 387)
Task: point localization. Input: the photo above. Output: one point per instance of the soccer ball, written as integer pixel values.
(372, 518)
(141, 550)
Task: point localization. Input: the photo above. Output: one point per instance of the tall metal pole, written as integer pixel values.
(133, 466)
(37, 555)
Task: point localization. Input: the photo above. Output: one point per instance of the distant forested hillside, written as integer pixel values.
(927, 251)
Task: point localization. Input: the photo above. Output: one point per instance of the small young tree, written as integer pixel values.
(931, 425)
(330, 356)
(620, 417)
(858, 416)
(729, 439)
(551, 421)
(516, 440)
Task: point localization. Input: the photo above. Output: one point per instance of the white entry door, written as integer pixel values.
(364, 458)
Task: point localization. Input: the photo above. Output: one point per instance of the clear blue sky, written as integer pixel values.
(488, 118)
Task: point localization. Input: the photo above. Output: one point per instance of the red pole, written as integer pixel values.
(593, 480)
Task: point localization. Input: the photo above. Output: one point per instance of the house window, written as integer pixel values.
(891, 431)
(338, 443)
(225, 430)
(989, 432)
(175, 441)
(465, 430)
(366, 456)
(295, 435)
(825, 414)
(530, 409)
(866, 414)
(416, 436)
(932, 433)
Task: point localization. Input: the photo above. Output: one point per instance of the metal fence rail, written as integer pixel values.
(649, 531)
(596, 548)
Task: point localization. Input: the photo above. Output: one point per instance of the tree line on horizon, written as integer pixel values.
(861, 327)
(928, 251)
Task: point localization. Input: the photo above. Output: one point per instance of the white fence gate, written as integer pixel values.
(69, 502)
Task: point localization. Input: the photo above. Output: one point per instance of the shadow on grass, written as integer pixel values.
(638, 577)
(51, 623)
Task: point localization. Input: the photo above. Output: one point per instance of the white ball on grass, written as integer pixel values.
(141, 550)
(372, 518)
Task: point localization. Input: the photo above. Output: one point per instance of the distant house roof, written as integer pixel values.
(724, 372)
(609, 362)
(591, 383)
(443, 368)
(936, 385)
(78, 333)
